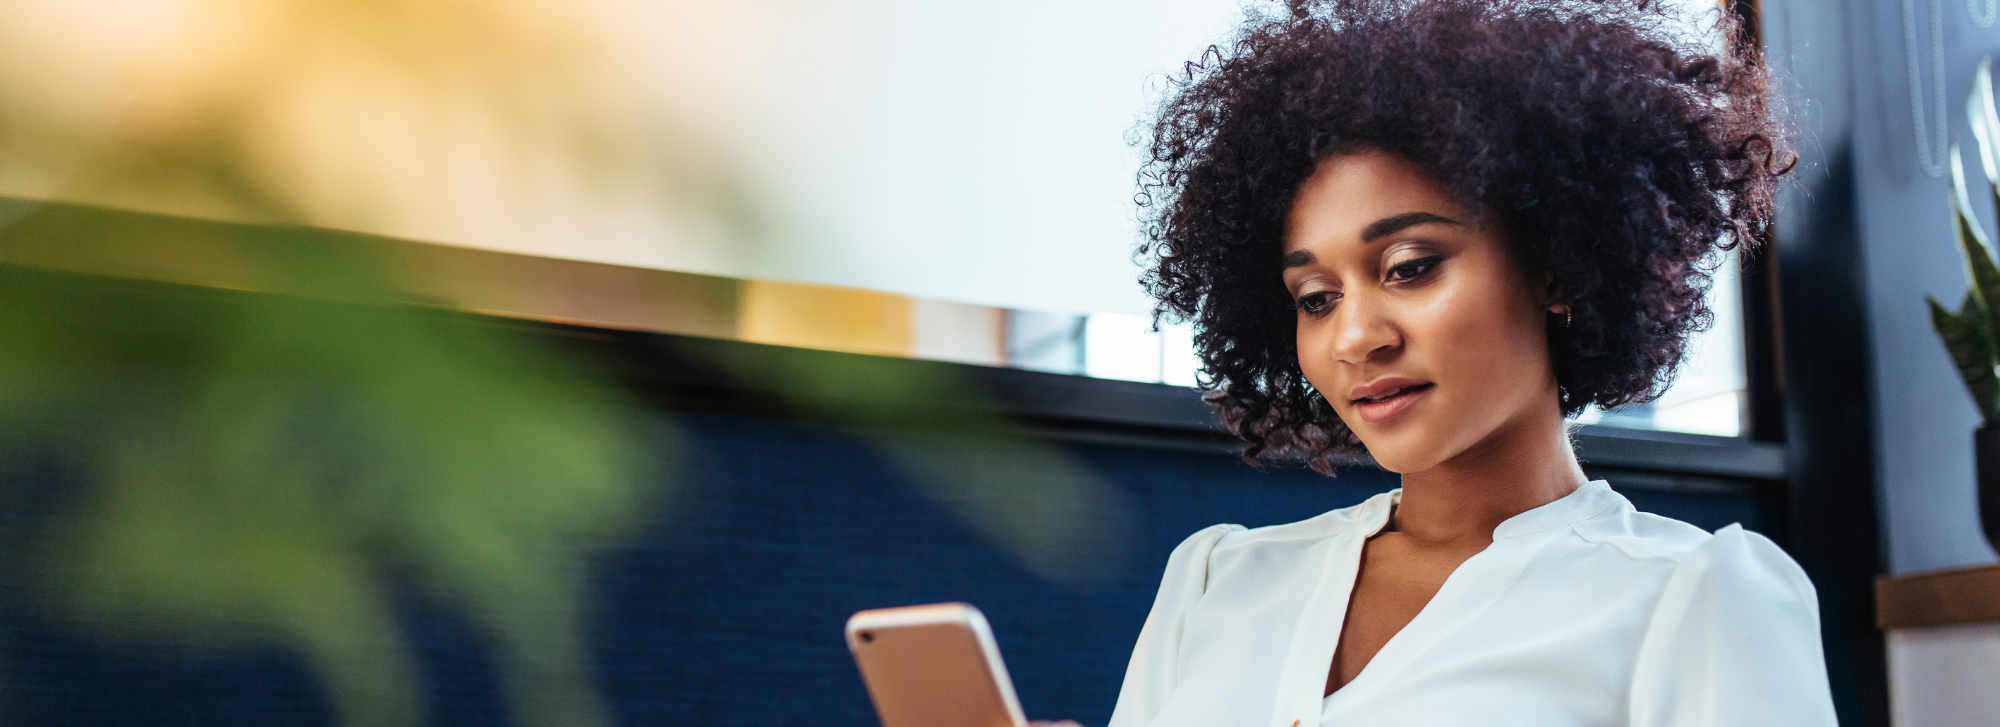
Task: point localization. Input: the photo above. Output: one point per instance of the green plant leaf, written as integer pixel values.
(1971, 351)
(1984, 120)
(1973, 312)
(1972, 333)
(1972, 243)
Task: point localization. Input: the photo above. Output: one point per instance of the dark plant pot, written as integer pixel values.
(1986, 454)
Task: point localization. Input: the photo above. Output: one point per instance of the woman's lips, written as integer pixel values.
(1375, 410)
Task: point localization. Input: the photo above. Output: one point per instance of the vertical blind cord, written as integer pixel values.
(1930, 153)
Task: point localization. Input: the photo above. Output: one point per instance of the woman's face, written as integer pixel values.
(1415, 323)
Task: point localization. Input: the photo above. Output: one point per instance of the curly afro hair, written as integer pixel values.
(1621, 149)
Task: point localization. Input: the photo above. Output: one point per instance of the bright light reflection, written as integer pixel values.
(1119, 346)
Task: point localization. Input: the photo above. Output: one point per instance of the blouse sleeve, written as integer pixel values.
(1733, 641)
(1149, 679)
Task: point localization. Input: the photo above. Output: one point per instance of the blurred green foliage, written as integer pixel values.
(263, 471)
(262, 464)
(266, 468)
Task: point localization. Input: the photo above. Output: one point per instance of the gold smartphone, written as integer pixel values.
(933, 666)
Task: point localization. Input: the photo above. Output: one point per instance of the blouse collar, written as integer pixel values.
(1584, 503)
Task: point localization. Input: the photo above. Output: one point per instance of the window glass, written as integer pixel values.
(1708, 395)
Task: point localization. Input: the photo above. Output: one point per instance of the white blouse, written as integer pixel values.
(1583, 611)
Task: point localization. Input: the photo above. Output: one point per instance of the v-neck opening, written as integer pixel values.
(1360, 557)
(1357, 560)
(1577, 504)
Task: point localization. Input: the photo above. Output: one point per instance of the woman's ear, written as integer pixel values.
(1552, 293)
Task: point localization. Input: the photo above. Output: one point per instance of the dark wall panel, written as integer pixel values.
(726, 609)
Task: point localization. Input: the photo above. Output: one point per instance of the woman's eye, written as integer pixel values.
(1413, 269)
(1315, 303)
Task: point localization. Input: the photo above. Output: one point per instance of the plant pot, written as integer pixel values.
(1986, 458)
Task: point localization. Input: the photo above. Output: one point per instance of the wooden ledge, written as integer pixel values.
(1938, 598)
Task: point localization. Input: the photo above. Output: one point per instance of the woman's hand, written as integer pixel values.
(1061, 723)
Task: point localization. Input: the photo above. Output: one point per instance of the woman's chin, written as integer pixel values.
(1402, 457)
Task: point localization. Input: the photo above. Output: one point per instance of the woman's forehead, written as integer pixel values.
(1360, 197)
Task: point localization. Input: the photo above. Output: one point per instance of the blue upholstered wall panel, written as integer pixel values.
(726, 609)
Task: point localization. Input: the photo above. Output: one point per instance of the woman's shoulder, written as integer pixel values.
(1744, 566)
(1733, 638)
(1732, 558)
(1197, 551)
(1228, 548)
(1203, 541)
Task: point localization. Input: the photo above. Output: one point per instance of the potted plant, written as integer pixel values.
(1972, 333)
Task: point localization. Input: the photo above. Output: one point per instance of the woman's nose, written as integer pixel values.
(1361, 332)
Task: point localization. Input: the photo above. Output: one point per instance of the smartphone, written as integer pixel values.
(933, 666)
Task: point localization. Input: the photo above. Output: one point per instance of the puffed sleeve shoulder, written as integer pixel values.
(1149, 679)
(1734, 640)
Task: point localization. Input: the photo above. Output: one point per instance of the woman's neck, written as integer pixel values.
(1520, 467)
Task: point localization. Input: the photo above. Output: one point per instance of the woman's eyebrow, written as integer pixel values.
(1374, 231)
(1389, 225)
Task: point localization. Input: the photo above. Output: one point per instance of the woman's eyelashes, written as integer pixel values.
(1413, 270)
(1315, 304)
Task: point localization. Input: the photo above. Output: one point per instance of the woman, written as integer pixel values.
(1430, 231)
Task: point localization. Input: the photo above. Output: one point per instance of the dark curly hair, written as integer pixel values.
(1621, 151)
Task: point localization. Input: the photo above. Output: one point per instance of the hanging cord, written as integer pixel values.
(1930, 153)
(1982, 19)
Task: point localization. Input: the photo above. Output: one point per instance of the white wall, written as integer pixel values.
(971, 152)
(1945, 676)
